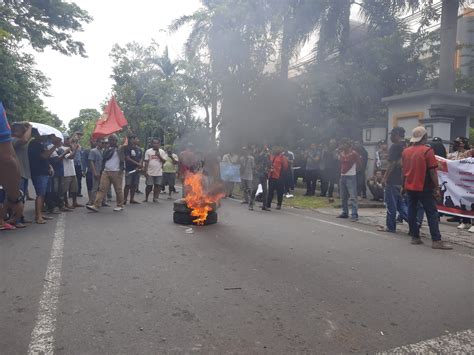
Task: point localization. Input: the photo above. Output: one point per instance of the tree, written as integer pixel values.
(86, 115)
(43, 24)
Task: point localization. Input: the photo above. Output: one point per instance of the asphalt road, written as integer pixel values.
(279, 282)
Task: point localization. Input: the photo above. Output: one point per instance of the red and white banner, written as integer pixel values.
(456, 181)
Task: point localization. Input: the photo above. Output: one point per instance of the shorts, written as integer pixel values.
(70, 184)
(154, 180)
(132, 179)
(41, 184)
(169, 179)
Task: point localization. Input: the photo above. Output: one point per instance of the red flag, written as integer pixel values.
(111, 121)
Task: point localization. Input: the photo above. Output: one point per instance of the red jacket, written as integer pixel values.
(279, 164)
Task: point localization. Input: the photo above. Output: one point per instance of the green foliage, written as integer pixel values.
(86, 116)
(43, 24)
(152, 92)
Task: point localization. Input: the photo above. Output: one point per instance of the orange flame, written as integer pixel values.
(198, 199)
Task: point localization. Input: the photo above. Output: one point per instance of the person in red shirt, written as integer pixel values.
(275, 178)
(349, 160)
(421, 185)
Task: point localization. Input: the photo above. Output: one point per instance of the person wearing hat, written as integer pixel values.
(392, 180)
(421, 185)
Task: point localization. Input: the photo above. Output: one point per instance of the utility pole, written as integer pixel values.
(449, 24)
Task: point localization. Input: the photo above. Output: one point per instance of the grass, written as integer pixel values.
(299, 200)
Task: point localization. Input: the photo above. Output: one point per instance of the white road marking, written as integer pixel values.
(455, 343)
(42, 336)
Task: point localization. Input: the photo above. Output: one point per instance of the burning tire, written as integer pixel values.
(185, 218)
(180, 206)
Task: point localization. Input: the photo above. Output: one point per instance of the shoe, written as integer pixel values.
(343, 215)
(471, 230)
(118, 209)
(7, 227)
(266, 209)
(384, 229)
(170, 198)
(464, 226)
(439, 244)
(79, 195)
(20, 225)
(135, 202)
(278, 207)
(416, 241)
(92, 208)
(105, 204)
(77, 205)
(452, 219)
(250, 208)
(139, 192)
(354, 219)
(322, 195)
(289, 196)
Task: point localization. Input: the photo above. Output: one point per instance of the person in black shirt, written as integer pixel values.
(41, 171)
(393, 181)
(361, 180)
(133, 164)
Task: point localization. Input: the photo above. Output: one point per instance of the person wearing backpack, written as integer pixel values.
(113, 164)
(350, 160)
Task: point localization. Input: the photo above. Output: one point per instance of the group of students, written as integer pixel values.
(56, 167)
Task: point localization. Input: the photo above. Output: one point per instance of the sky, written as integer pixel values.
(78, 82)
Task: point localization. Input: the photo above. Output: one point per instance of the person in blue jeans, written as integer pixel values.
(349, 160)
(392, 180)
(421, 185)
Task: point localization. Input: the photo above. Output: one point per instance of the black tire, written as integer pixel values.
(187, 219)
(181, 207)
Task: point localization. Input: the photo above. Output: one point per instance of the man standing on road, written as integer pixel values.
(349, 159)
(133, 165)
(247, 164)
(95, 162)
(260, 176)
(275, 182)
(113, 159)
(421, 184)
(10, 171)
(361, 180)
(70, 176)
(169, 170)
(78, 163)
(154, 159)
(393, 181)
(312, 165)
(39, 155)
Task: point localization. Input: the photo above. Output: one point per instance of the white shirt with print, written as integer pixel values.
(155, 166)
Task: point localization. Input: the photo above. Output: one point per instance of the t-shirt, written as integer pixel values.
(78, 157)
(68, 164)
(247, 165)
(5, 131)
(38, 165)
(95, 156)
(168, 165)
(21, 151)
(113, 164)
(395, 156)
(135, 153)
(55, 162)
(349, 163)
(417, 160)
(312, 162)
(155, 166)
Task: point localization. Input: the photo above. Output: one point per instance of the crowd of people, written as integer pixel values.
(404, 175)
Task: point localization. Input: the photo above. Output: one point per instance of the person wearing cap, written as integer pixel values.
(393, 182)
(421, 185)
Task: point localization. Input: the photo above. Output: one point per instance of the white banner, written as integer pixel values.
(456, 181)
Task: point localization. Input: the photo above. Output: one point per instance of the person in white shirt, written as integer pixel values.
(154, 159)
(113, 174)
(70, 180)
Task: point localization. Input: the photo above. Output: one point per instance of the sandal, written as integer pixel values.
(47, 218)
(7, 227)
(41, 221)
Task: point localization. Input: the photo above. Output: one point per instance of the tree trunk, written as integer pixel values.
(214, 116)
(208, 117)
(449, 24)
(285, 49)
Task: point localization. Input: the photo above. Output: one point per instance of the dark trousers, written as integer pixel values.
(275, 185)
(361, 187)
(79, 178)
(429, 205)
(264, 182)
(311, 178)
(324, 182)
(55, 195)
